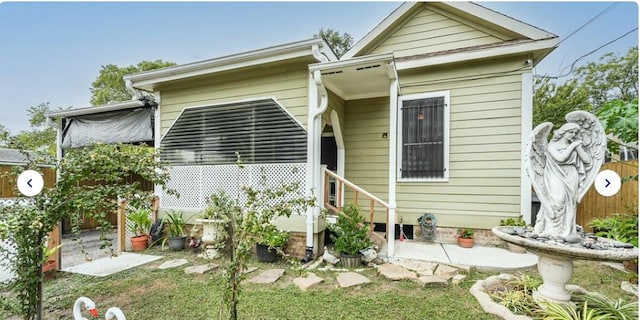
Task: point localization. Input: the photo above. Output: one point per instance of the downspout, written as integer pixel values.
(318, 102)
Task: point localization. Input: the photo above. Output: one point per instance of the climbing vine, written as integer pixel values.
(90, 182)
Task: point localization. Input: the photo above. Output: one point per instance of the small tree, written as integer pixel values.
(244, 217)
(90, 181)
(340, 44)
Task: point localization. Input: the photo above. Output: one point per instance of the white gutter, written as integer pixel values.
(100, 109)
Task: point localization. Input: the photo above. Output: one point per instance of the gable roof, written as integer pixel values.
(467, 10)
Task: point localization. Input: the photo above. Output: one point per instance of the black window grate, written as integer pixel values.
(423, 138)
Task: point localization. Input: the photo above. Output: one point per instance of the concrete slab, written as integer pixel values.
(106, 266)
(489, 258)
(268, 276)
(173, 264)
(417, 250)
(349, 279)
(309, 282)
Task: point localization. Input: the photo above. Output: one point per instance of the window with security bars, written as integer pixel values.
(259, 131)
(423, 125)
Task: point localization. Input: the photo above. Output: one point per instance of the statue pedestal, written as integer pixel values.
(556, 271)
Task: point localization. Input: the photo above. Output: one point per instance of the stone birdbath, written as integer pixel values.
(555, 260)
(561, 171)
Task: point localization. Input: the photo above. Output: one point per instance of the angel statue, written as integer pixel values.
(562, 170)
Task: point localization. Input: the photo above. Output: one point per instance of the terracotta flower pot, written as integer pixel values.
(139, 243)
(50, 265)
(466, 242)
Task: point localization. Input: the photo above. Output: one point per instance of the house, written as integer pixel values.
(428, 113)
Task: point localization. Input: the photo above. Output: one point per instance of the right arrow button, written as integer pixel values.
(607, 183)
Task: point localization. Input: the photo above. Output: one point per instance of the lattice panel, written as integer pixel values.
(6, 202)
(196, 183)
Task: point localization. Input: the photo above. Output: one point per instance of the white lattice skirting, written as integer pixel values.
(196, 183)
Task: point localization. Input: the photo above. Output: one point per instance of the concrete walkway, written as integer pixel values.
(482, 258)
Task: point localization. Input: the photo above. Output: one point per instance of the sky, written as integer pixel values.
(53, 51)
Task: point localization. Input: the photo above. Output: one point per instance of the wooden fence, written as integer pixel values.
(593, 205)
(8, 188)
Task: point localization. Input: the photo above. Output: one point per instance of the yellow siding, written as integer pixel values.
(335, 103)
(366, 151)
(484, 149)
(287, 84)
(432, 31)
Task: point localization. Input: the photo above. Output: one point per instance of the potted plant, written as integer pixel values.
(350, 236)
(269, 242)
(49, 266)
(465, 237)
(141, 223)
(514, 222)
(177, 224)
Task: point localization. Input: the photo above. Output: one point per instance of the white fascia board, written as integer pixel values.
(333, 65)
(146, 80)
(93, 110)
(477, 54)
(379, 29)
(501, 20)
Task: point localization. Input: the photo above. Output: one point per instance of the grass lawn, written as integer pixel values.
(146, 292)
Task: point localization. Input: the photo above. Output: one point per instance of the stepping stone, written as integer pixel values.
(173, 264)
(309, 282)
(420, 267)
(458, 278)
(629, 287)
(268, 276)
(395, 272)
(200, 269)
(349, 279)
(249, 270)
(445, 271)
(432, 281)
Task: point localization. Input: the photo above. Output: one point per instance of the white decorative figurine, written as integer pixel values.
(562, 171)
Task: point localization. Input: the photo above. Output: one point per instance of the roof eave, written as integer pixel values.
(147, 80)
(406, 63)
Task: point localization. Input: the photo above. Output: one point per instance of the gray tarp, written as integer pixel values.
(126, 126)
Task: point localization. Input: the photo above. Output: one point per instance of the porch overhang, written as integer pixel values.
(358, 78)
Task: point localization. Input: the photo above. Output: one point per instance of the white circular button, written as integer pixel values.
(607, 183)
(30, 183)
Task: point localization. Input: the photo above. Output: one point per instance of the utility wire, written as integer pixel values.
(589, 22)
(593, 51)
(573, 64)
